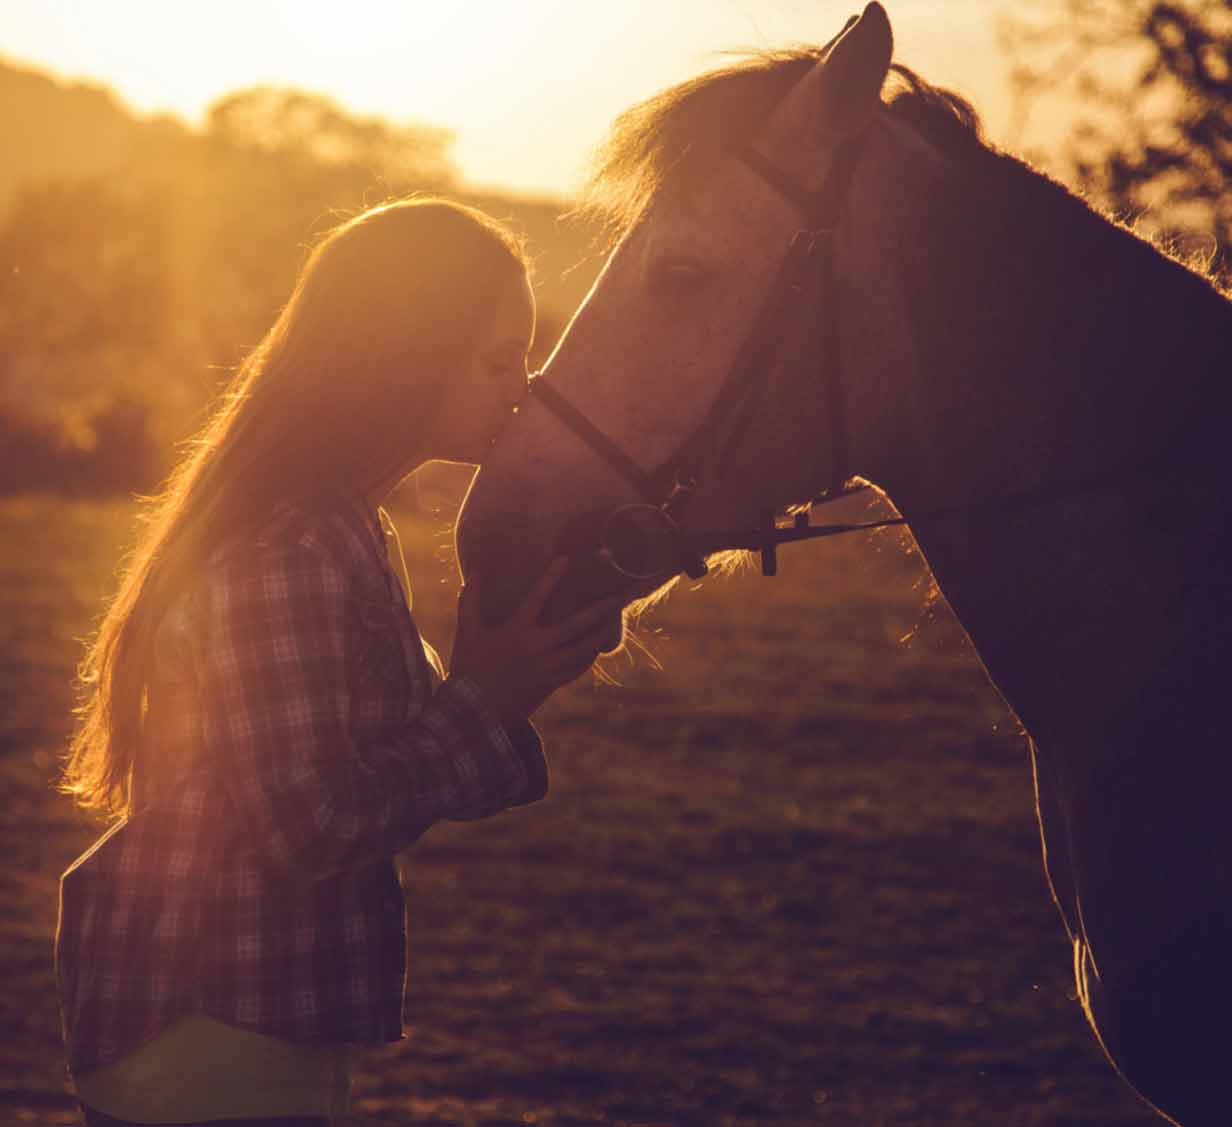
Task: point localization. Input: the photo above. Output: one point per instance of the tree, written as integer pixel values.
(1152, 82)
(129, 294)
(83, 291)
(86, 356)
(281, 120)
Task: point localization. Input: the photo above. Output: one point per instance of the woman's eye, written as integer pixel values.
(678, 277)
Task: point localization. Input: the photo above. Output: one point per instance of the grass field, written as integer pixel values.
(793, 877)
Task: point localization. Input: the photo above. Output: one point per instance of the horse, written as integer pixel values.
(823, 276)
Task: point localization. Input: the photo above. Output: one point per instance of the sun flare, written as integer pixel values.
(528, 88)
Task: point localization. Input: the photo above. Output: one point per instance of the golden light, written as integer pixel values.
(528, 86)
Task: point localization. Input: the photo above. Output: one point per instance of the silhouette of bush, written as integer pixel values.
(130, 290)
(279, 120)
(109, 451)
(1151, 81)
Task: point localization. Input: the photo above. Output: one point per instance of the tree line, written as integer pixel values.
(130, 289)
(128, 295)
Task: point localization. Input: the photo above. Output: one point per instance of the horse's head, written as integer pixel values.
(639, 396)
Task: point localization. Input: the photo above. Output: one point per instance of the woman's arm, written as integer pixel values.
(275, 676)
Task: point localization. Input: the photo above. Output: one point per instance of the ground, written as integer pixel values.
(791, 877)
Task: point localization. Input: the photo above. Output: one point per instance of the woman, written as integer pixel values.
(262, 718)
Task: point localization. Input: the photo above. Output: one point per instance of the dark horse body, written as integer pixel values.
(1000, 337)
(1104, 618)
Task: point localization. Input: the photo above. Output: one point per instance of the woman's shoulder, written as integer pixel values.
(335, 533)
(300, 562)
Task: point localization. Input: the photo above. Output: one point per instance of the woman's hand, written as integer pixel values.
(519, 664)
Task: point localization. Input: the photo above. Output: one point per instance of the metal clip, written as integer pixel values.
(695, 567)
(680, 493)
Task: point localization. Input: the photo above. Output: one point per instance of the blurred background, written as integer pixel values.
(808, 897)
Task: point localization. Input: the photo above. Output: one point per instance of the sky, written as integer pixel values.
(528, 86)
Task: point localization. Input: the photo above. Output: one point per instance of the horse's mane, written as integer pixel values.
(670, 140)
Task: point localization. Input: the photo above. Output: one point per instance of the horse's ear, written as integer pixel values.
(854, 70)
(840, 93)
(851, 20)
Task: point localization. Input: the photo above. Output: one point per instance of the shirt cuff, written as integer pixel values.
(528, 745)
(519, 740)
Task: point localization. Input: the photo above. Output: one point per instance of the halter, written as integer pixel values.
(669, 487)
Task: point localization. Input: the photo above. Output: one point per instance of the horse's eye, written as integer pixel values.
(677, 277)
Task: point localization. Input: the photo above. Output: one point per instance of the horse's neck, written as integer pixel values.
(1051, 346)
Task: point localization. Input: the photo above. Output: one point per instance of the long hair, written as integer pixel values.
(338, 396)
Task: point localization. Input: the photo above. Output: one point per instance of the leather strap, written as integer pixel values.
(595, 438)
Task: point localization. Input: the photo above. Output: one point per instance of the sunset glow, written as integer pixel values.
(528, 87)
(736, 644)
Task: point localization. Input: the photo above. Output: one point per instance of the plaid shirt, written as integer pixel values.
(300, 737)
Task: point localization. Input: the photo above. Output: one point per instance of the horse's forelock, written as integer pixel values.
(670, 140)
(680, 131)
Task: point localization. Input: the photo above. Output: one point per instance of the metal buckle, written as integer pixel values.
(651, 544)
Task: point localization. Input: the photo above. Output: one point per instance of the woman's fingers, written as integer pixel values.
(470, 620)
(583, 621)
(519, 664)
(577, 655)
(537, 597)
(568, 665)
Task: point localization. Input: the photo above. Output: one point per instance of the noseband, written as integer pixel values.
(669, 487)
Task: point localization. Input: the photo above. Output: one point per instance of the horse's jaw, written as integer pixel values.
(505, 550)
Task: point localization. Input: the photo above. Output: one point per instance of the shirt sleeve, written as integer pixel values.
(275, 677)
